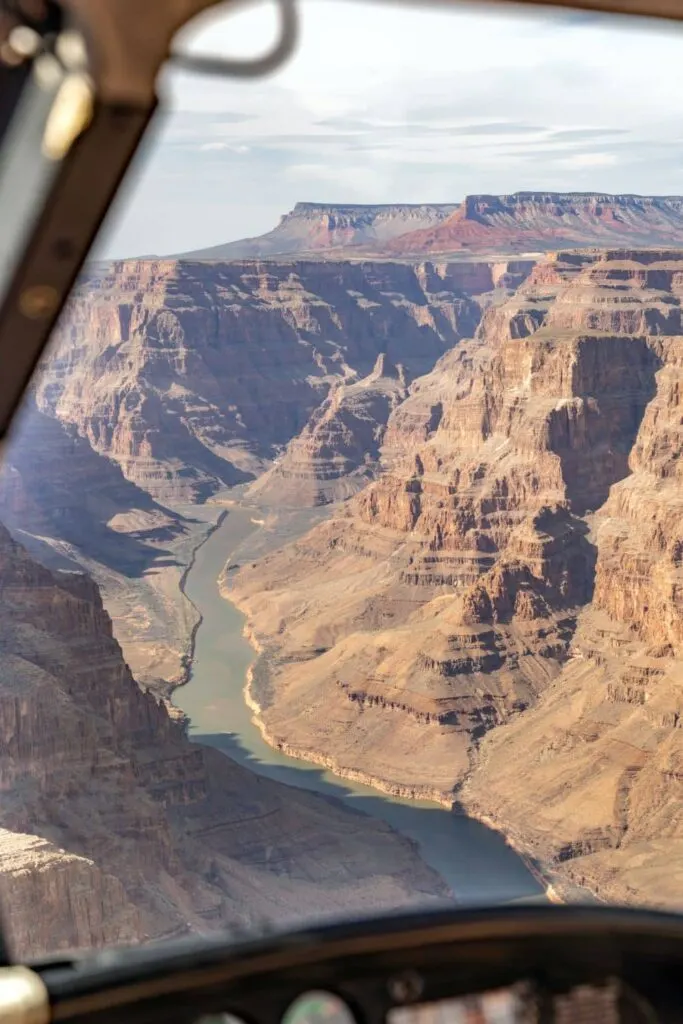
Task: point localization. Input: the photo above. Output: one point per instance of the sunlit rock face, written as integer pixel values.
(497, 618)
(319, 227)
(538, 221)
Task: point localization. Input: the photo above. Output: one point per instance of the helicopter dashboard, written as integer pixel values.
(505, 965)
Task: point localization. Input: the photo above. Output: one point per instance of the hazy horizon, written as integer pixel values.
(393, 104)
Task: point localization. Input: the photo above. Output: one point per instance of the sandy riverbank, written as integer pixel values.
(557, 889)
(406, 792)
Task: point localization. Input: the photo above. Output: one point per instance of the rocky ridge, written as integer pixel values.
(546, 220)
(338, 450)
(312, 227)
(114, 828)
(506, 594)
(193, 377)
(521, 222)
(611, 722)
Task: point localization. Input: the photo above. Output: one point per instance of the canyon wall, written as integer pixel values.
(493, 621)
(496, 620)
(339, 449)
(193, 377)
(114, 828)
(593, 775)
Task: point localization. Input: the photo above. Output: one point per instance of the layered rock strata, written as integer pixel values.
(521, 222)
(538, 221)
(500, 607)
(338, 450)
(74, 509)
(310, 227)
(602, 751)
(192, 377)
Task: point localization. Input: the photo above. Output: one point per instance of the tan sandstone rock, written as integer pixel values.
(468, 618)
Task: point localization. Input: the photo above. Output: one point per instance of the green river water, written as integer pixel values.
(473, 859)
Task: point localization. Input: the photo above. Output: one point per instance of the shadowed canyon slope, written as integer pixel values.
(115, 828)
(72, 508)
(338, 450)
(193, 377)
(501, 607)
(522, 222)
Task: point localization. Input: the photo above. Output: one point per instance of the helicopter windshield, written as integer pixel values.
(340, 534)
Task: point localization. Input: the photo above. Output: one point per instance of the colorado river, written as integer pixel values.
(474, 860)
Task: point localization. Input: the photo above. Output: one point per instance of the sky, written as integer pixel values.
(391, 102)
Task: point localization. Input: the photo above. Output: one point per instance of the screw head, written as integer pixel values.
(39, 301)
(405, 988)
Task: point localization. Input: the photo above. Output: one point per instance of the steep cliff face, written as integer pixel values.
(115, 828)
(602, 752)
(338, 450)
(52, 482)
(71, 716)
(467, 616)
(312, 227)
(521, 222)
(193, 376)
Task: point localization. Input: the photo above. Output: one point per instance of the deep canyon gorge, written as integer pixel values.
(464, 586)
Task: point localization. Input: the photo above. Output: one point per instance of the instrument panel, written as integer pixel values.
(611, 1003)
(514, 965)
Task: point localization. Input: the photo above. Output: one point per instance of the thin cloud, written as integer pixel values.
(231, 117)
(494, 128)
(579, 134)
(351, 124)
(591, 160)
(210, 147)
(304, 139)
(377, 127)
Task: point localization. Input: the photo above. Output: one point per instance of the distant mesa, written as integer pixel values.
(487, 224)
(318, 227)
